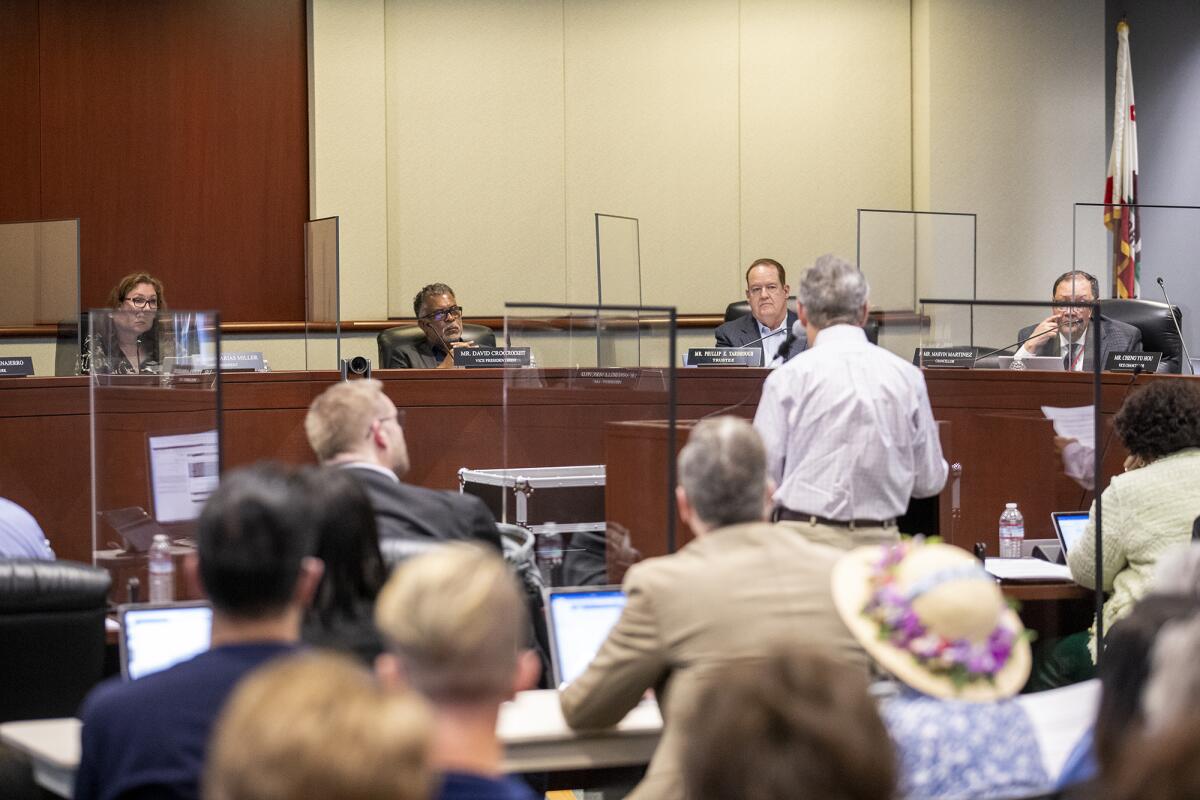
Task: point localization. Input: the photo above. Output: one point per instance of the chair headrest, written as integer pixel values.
(31, 585)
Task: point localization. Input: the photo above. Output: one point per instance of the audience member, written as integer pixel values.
(455, 626)
(319, 726)
(354, 426)
(342, 614)
(797, 725)
(20, 534)
(1173, 690)
(739, 589)
(1162, 766)
(130, 340)
(930, 615)
(1148, 509)
(849, 432)
(255, 539)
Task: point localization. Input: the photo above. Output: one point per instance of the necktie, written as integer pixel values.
(1072, 354)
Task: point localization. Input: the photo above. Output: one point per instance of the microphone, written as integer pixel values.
(1016, 344)
(796, 334)
(768, 336)
(1171, 310)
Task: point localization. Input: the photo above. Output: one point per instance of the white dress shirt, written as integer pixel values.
(848, 430)
(771, 346)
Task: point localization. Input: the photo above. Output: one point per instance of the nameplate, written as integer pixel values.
(16, 366)
(479, 357)
(724, 357)
(615, 376)
(242, 362)
(1128, 362)
(948, 357)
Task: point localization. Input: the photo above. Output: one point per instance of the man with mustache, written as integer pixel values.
(440, 317)
(1065, 332)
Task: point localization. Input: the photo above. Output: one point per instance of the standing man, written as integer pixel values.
(439, 316)
(767, 292)
(849, 432)
(1065, 332)
(355, 426)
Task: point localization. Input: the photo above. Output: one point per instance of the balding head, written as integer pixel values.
(723, 472)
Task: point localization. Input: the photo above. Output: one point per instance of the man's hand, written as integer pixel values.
(448, 361)
(1042, 334)
(1061, 442)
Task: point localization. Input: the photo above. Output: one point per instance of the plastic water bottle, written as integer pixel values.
(1012, 531)
(162, 570)
(549, 553)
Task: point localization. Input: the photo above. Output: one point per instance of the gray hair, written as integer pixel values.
(723, 471)
(1173, 689)
(432, 290)
(833, 291)
(1178, 571)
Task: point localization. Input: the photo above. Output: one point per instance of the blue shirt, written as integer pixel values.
(20, 535)
(954, 749)
(152, 733)
(1080, 766)
(465, 786)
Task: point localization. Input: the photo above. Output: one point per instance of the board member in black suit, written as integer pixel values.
(767, 292)
(439, 316)
(355, 426)
(1065, 332)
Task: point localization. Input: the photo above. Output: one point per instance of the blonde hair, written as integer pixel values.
(339, 419)
(457, 622)
(317, 725)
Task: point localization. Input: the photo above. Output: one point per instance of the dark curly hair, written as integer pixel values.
(1160, 418)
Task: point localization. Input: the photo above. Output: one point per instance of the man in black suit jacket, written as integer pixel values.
(1069, 327)
(355, 426)
(439, 316)
(767, 293)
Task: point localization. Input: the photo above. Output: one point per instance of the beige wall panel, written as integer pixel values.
(475, 151)
(651, 132)
(825, 125)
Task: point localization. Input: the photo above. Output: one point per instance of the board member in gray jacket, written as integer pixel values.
(767, 292)
(1065, 333)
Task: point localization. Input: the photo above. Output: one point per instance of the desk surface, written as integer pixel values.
(535, 737)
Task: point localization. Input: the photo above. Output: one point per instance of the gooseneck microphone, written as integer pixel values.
(1016, 344)
(768, 336)
(796, 334)
(1171, 310)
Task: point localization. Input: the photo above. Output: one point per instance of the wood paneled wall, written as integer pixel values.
(176, 132)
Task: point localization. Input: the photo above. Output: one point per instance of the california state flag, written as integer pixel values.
(1120, 189)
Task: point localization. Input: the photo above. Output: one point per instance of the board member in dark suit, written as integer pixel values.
(767, 293)
(439, 316)
(1065, 332)
(355, 426)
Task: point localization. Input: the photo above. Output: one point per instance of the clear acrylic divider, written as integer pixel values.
(586, 394)
(40, 264)
(322, 326)
(1013, 448)
(618, 260)
(909, 254)
(155, 400)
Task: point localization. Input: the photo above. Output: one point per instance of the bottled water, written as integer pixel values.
(162, 570)
(1012, 531)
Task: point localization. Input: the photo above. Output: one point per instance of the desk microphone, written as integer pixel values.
(768, 336)
(1015, 344)
(1171, 310)
(796, 334)
(743, 401)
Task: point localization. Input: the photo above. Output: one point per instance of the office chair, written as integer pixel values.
(393, 338)
(1153, 319)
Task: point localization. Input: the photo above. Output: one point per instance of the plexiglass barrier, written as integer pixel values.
(155, 397)
(618, 260)
(590, 520)
(322, 326)
(40, 264)
(911, 254)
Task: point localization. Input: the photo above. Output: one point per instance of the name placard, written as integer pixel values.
(16, 366)
(232, 361)
(724, 357)
(596, 377)
(479, 357)
(948, 357)
(1127, 362)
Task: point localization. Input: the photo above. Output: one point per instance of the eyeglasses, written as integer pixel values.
(443, 314)
(142, 302)
(770, 288)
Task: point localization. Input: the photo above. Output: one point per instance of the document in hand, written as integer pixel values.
(1077, 423)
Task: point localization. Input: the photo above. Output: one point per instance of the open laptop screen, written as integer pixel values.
(579, 620)
(155, 636)
(1068, 527)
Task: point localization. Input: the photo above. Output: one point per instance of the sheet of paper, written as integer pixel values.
(1074, 423)
(1026, 569)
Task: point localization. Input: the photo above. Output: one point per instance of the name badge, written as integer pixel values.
(1125, 361)
(242, 362)
(948, 357)
(724, 357)
(480, 357)
(16, 367)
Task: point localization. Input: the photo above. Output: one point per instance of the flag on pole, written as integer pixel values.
(1120, 188)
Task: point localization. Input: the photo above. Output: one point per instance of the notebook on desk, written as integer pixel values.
(578, 619)
(155, 636)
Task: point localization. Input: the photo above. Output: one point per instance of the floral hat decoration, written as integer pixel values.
(929, 614)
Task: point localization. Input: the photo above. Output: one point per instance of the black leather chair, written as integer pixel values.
(392, 339)
(741, 308)
(1153, 319)
(51, 636)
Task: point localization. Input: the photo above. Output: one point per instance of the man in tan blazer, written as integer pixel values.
(742, 587)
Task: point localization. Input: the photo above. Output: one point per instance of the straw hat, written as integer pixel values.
(930, 615)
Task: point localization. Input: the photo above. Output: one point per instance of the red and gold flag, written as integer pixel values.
(1120, 189)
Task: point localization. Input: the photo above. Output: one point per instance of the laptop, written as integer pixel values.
(155, 636)
(1068, 527)
(578, 619)
(1041, 363)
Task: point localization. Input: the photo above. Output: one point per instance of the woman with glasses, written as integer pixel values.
(127, 342)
